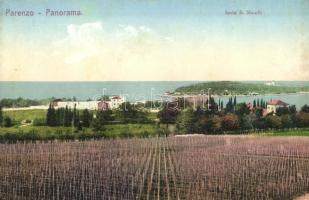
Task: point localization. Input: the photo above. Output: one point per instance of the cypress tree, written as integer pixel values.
(235, 102)
(85, 118)
(254, 103)
(48, 116)
(51, 116)
(66, 117)
(258, 103)
(221, 105)
(60, 117)
(1, 116)
(75, 117)
(229, 105)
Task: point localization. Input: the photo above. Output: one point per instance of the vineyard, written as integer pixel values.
(197, 167)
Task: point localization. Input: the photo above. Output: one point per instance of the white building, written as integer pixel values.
(116, 101)
(113, 103)
(273, 105)
(90, 105)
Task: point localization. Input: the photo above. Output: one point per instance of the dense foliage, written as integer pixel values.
(237, 88)
(21, 102)
(1, 116)
(182, 117)
(240, 118)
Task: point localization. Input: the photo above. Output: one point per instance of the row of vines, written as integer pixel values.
(198, 167)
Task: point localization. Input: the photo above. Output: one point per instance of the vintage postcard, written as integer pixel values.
(154, 99)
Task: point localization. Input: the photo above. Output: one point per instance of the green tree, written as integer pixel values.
(254, 103)
(242, 109)
(235, 102)
(60, 116)
(8, 122)
(292, 109)
(216, 124)
(302, 119)
(259, 123)
(186, 121)
(213, 106)
(128, 113)
(273, 121)
(246, 122)
(51, 116)
(168, 115)
(305, 109)
(67, 117)
(75, 117)
(86, 118)
(99, 121)
(258, 112)
(229, 106)
(209, 124)
(230, 122)
(286, 121)
(1, 116)
(261, 103)
(282, 111)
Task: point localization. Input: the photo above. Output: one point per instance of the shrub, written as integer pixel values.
(286, 121)
(305, 108)
(302, 119)
(11, 137)
(32, 135)
(84, 136)
(230, 122)
(39, 122)
(273, 121)
(125, 134)
(8, 122)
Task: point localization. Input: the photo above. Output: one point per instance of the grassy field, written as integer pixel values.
(25, 133)
(20, 115)
(301, 132)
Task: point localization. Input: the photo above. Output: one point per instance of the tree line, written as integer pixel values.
(234, 117)
(126, 113)
(5, 120)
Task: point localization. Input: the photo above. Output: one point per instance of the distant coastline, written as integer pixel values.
(234, 88)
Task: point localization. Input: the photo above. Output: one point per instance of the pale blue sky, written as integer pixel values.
(173, 17)
(117, 38)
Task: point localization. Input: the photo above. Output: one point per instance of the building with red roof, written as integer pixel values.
(273, 105)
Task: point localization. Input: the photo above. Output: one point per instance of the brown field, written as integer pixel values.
(199, 167)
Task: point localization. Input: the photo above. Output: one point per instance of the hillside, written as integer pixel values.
(239, 88)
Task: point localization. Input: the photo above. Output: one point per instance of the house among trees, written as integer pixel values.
(113, 103)
(116, 101)
(273, 105)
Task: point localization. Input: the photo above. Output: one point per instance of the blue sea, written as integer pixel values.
(133, 90)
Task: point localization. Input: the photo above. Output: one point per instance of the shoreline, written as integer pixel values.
(237, 95)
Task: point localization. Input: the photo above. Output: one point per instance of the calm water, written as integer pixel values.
(134, 90)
